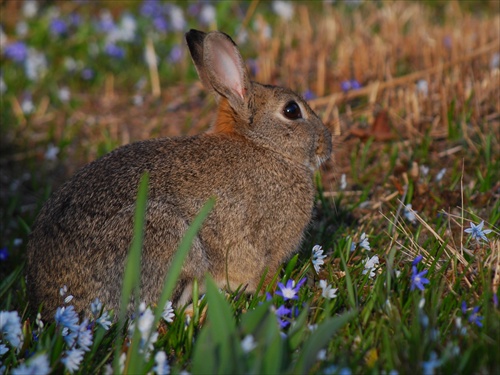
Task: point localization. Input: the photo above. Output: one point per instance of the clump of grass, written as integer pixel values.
(407, 275)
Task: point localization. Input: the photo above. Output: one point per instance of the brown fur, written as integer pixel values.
(257, 163)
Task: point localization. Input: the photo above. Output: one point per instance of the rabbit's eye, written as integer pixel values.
(292, 111)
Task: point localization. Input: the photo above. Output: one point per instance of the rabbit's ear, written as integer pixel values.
(219, 65)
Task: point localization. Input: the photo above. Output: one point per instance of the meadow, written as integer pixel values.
(400, 269)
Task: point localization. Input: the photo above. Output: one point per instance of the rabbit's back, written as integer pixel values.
(82, 235)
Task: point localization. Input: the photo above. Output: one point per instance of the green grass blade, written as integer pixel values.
(318, 340)
(132, 274)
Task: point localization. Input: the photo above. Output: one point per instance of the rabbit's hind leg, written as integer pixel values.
(164, 230)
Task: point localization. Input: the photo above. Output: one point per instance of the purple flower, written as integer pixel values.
(290, 291)
(106, 23)
(114, 51)
(160, 23)
(309, 95)
(175, 54)
(58, 27)
(495, 300)
(350, 85)
(475, 318)
(4, 254)
(477, 232)
(417, 279)
(75, 19)
(464, 308)
(16, 51)
(87, 74)
(417, 260)
(150, 8)
(284, 315)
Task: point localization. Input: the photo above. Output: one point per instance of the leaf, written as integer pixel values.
(318, 340)
(297, 331)
(217, 339)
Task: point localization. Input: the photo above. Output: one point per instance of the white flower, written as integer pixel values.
(38, 365)
(370, 264)
(495, 61)
(321, 355)
(73, 359)
(177, 20)
(27, 106)
(39, 321)
(365, 244)
(22, 29)
(161, 364)
(343, 182)
(317, 257)
(145, 327)
(10, 328)
(64, 94)
(248, 344)
(30, 8)
(328, 292)
(409, 214)
(423, 87)
(35, 65)
(168, 312)
(3, 86)
(51, 154)
(312, 327)
(123, 358)
(424, 170)
(440, 174)
(69, 298)
(283, 9)
(207, 14)
(63, 290)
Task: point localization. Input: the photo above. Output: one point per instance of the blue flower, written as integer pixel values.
(417, 279)
(38, 365)
(58, 27)
(114, 51)
(161, 364)
(10, 328)
(290, 291)
(73, 359)
(477, 232)
(67, 317)
(429, 366)
(475, 318)
(4, 254)
(16, 51)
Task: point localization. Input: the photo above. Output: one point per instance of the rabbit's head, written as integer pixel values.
(270, 116)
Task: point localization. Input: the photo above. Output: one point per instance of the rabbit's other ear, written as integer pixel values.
(194, 39)
(222, 68)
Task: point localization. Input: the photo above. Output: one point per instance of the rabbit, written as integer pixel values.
(258, 160)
